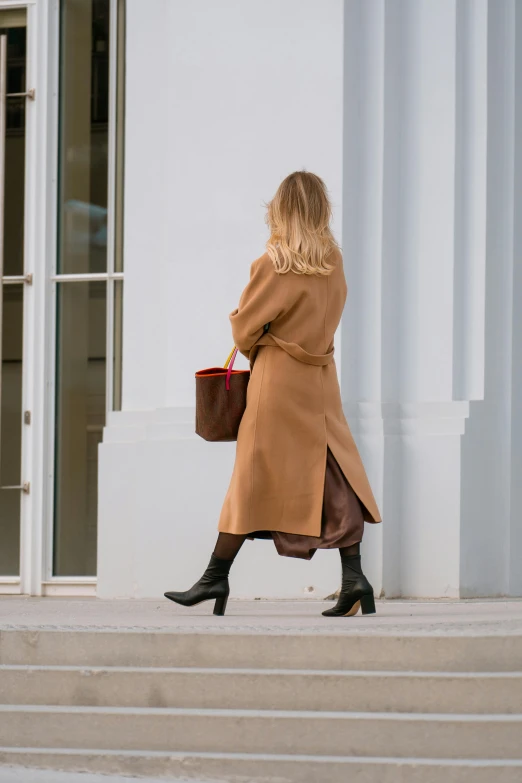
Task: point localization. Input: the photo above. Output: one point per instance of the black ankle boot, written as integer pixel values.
(212, 585)
(356, 591)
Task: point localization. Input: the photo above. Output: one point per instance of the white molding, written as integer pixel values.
(6, 4)
(10, 585)
(69, 588)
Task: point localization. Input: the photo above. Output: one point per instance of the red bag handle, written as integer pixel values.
(230, 361)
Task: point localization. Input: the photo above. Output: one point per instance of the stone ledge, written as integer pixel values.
(495, 617)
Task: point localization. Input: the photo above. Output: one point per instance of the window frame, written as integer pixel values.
(82, 585)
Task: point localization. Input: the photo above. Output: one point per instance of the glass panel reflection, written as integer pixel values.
(80, 418)
(84, 60)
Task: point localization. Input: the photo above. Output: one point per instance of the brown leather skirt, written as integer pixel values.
(342, 521)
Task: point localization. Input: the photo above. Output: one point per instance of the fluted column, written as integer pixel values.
(470, 199)
(491, 532)
(363, 160)
(414, 206)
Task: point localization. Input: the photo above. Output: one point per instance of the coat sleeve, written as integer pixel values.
(263, 300)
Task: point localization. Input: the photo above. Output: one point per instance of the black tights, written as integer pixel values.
(350, 551)
(229, 544)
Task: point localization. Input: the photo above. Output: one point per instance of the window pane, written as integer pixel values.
(11, 432)
(84, 106)
(15, 154)
(80, 418)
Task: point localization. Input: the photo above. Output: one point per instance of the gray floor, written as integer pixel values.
(495, 617)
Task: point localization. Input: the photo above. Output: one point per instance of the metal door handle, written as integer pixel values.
(25, 487)
(29, 94)
(17, 279)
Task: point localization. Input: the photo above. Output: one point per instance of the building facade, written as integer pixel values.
(140, 141)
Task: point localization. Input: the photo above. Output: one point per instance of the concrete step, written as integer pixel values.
(258, 731)
(10, 774)
(346, 651)
(254, 768)
(263, 689)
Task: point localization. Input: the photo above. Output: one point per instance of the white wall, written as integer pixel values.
(411, 111)
(223, 100)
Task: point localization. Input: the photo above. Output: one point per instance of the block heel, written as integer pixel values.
(356, 591)
(368, 604)
(213, 586)
(220, 606)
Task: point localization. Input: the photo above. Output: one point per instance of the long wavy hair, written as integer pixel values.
(299, 218)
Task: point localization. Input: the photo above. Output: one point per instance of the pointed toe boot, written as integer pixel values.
(213, 586)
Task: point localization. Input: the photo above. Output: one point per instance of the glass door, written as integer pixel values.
(14, 485)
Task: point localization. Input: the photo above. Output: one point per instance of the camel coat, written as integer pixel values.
(294, 408)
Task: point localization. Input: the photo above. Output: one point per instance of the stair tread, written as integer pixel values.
(394, 760)
(369, 673)
(253, 713)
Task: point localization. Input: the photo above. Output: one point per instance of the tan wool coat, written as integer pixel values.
(294, 408)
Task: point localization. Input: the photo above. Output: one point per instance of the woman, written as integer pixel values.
(298, 477)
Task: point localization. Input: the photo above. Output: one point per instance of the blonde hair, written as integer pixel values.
(299, 221)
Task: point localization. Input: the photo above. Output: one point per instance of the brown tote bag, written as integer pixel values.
(221, 400)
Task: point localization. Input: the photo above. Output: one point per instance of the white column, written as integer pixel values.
(429, 423)
(415, 185)
(470, 199)
(423, 426)
(490, 522)
(363, 160)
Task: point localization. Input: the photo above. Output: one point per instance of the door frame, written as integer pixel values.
(40, 244)
(49, 584)
(39, 319)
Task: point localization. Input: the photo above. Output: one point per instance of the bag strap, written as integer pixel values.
(230, 364)
(229, 357)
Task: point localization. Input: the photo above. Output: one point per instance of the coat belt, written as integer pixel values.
(294, 350)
